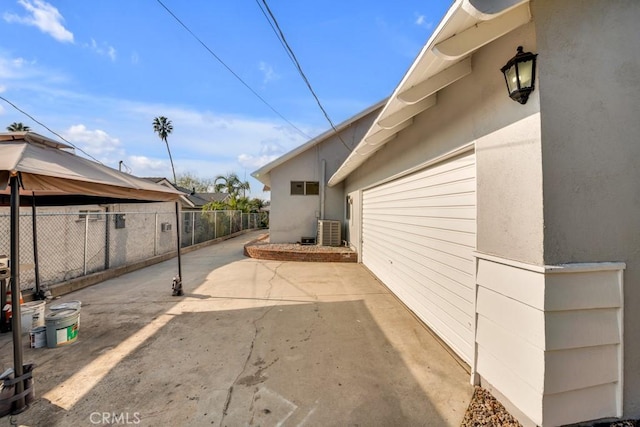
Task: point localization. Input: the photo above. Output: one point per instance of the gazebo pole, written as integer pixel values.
(39, 294)
(15, 289)
(177, 281)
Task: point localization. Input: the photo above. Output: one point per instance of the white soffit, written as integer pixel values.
(484, 32)
(445, 58)
(439, 81)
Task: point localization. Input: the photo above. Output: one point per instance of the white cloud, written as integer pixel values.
(43, 16)
(97, 143)
(268, 73)
(102, 49)
(421, 21)
(3, 88)
(269, 151)
(145, 166)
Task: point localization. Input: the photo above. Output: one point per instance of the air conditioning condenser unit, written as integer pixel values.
(329, 233)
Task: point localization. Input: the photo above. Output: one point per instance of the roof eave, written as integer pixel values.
(446, 58)
(264, 173)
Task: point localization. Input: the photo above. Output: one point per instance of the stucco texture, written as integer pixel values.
(589, 89)
(476, 109)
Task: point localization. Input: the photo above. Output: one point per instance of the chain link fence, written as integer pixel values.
(74, 244)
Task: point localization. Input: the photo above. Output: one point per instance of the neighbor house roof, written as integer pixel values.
(445, 58)
(189, 196)
(263, 174)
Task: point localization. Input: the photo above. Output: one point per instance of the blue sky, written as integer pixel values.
(99, 71)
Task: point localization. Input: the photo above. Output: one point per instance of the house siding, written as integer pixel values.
(589, 62)
(550, 338)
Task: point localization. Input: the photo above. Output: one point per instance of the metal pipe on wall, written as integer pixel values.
(323, 171)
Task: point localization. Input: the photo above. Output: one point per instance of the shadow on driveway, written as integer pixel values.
(252, 343)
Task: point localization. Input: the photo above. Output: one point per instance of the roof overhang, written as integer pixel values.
(445, 59)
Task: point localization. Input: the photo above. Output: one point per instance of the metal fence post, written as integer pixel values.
(193, 228)
(86, 242)
(107, 239)
(155, 236)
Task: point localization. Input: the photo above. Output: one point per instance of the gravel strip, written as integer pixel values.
(485, 410)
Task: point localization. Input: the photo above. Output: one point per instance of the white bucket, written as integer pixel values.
(38, 337)
(67, 305)
(31, 315)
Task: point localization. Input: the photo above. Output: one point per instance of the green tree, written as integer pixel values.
(163, 127)
(192, 182)
(18, 127)
(232, 185)
(256, 204)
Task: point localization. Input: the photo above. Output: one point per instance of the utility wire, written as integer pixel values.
(296, 63)
(49, 129)
(230, 70)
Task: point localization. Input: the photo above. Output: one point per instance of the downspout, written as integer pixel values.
(323, 171)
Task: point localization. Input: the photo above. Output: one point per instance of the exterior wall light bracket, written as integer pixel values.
(520, 75)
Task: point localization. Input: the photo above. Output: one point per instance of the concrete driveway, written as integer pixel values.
(252, 342)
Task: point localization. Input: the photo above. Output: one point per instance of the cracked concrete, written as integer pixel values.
(252, 343)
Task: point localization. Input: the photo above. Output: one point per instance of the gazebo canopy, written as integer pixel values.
(49, 168)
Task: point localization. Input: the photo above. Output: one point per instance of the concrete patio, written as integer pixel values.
(252, 342)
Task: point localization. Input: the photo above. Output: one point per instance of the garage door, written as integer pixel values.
(418, 237)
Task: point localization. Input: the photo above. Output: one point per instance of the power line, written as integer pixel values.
(296, 63)
(230, 70)
(49, 129)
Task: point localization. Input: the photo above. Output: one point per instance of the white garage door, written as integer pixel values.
(418, 237)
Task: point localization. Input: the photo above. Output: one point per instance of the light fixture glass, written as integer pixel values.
(520, 75)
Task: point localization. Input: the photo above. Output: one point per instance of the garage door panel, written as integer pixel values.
(463, 202)
(456, 272)
(452, 306)
(434, 176)
(419, 237)
(439, 281)
(416, 223)
(445, 253)
(456, 334)
(466, 239)
(459, 187)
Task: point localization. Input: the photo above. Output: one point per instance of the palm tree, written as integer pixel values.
(18, 127)
(231, 185)
(163, 127)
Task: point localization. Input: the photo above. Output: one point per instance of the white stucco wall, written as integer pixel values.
(589, 55)
(477, 109)
(295, 216)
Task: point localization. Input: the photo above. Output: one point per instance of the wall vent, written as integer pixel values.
(329, 233)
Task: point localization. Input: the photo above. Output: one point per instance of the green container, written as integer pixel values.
(62, 326)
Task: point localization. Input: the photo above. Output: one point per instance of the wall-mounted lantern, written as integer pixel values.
(520, 75)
